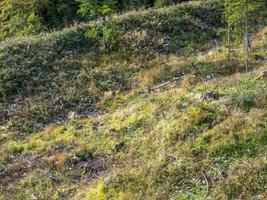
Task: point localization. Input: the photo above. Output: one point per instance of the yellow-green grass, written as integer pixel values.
(163, 145)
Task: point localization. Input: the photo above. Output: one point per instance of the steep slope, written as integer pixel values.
(44, 78)
(165, 145)
(150, 132)
(168, 144)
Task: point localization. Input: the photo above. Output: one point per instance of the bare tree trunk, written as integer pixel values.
(104, 18)
(247, 51)
(246, 37)
(228, 43)
(228, 32)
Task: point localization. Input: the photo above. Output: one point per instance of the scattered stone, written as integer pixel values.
(18, 98)
(210, 95)
(34, 197)
(60, 148)
(95, 126)
(179, 73)
(74, 161)
(70, 54)
(263, 75)
(86, 164)
(72, 115)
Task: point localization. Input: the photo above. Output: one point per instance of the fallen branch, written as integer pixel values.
(150, 89)
(216, 170)
(207, 183)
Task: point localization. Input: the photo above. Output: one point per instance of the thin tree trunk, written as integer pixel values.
(246, 37)
(228, 43)
(104, 18)
(228, 31)
(247, 51)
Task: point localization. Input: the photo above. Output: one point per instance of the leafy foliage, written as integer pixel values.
(96, 8)
(19, 18)
(238, 11)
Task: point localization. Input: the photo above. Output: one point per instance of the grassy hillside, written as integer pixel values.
(81, 122)
(43, 78)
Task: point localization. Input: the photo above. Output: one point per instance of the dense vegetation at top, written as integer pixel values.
(143, 105)
(33, 16)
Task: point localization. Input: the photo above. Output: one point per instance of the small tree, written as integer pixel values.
(242, 17)
(94, 9)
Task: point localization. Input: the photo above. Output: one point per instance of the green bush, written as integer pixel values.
(249, 94)
(111, 33)
(18, 18)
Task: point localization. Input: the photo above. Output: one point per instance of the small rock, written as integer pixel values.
(179, 73)
(72, 115)
(74, 160)
(95, 126)
(263, 75)
(88, 165)
(70, 53)
(34, 197)
(210, 95)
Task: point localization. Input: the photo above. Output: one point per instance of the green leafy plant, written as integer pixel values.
(111, 34)
(18, 18)
(94, 9)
